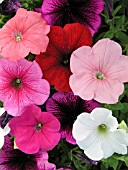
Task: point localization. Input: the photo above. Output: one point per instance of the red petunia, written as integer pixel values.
(55, 62)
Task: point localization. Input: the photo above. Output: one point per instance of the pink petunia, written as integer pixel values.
(21, 84)
(99, 72)
(25, 32)
(35, 130)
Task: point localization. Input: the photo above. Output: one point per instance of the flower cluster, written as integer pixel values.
(58, 87)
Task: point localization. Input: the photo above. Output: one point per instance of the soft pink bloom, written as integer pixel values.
(99, 72)
(43, 164)
(35, 130)
(21, 84)
(25, 32)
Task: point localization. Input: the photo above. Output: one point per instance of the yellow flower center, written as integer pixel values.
(18, 38)
(99, 76)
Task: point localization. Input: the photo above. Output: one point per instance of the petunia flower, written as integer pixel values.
(62, 12)
(11, 158)
(21, 84)
(98, 136)
(25, 32)
(99, 72)
(41, 129)
(66, 107)
(3, 132)
(9, 7)
(1, 1)
(55, 62)
(2, 110)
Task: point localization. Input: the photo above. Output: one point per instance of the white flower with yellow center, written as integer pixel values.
(3, 132)
(97, 134)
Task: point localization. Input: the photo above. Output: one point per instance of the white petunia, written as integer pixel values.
(1, 1)
(2, 110)
(3, 132)
(97, 134)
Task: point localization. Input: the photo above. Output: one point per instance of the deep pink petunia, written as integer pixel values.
(99, 72)
(25, 32)
(35, 130)
(21, 84)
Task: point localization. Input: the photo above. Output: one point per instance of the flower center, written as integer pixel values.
(99, 76)
(18, 36)
(16, 83)
(102, 128)
(66, 62)
(38, 127)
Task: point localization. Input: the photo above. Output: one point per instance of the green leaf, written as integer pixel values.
(110, 162)
(125, 109)
(122, 37)
(120, 21)
(116, 10)
(117, 106)
(109, 34)
(123, 158)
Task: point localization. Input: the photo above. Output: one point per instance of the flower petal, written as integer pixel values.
(92, 146)
(83, 126)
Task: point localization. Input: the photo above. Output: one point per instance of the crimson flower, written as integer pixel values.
(55, 62)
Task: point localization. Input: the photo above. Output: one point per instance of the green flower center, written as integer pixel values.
(102, 128)
(18, 38)
(99, 76)
(16, 83)
(38, 126)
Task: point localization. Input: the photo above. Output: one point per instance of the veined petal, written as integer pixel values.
(92, 146)
(82, 85)
(106, 51)
(111, 143)
(100, 115)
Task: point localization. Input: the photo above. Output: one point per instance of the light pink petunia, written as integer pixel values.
(99, 72)
(25, 32)
(35, 130)
(21, 84)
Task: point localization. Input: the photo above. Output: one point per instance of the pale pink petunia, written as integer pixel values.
(99, 72)
(21, 84)
(25, 32)
(35, 130)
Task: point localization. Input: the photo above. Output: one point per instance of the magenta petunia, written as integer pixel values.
(25, 32)
(35, 130)
(99, 72)
(62, 12)
(21, 84)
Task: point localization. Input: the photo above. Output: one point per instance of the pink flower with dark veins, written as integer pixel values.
(21, 84)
